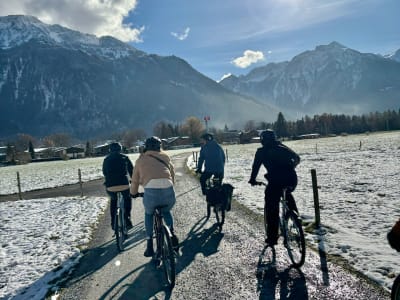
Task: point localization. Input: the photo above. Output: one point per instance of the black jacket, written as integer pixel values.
(116, 167)
(280, 162)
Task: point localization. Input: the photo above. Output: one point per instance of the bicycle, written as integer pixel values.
(165, 253)
(395, 293)
(215, 198)
(290, 229)
(120, 229)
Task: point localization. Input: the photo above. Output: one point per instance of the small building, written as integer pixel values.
(178, 142)
(101, 150)
(252, 136)
(75, 152)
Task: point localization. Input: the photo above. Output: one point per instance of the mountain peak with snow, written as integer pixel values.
(20, 29)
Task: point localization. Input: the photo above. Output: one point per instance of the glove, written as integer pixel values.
(252, 182)
(137, 195)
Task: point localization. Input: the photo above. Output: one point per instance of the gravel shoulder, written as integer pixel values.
(232, 264)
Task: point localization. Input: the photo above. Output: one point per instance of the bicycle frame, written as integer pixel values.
(290, 228)
(164, 252)
(120, 223)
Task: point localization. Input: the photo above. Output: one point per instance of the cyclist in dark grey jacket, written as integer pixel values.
(213, 157)
(116, 169)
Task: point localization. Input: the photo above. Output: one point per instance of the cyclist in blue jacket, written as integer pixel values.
(213, 157)
(280, 162)
(117, 170)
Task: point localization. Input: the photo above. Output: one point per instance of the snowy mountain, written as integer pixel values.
(53, 79)
(332, 78)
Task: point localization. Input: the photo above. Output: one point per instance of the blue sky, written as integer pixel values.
(220, 37)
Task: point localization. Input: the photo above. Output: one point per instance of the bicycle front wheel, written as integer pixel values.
(168, 257)
(396, 289)
(294, 239)
(119, 230)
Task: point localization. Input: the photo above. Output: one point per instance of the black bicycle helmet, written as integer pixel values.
(153, 143)
(267, 137)
(115, 147)
(207, 136)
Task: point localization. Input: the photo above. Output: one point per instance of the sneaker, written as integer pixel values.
(175, 242)
(128, 224)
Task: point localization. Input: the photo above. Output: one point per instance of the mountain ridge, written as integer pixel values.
(51, 81)
(331, 78)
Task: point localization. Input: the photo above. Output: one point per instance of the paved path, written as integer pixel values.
(231, 264)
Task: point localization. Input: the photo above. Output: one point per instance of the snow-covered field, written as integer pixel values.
(359, 198)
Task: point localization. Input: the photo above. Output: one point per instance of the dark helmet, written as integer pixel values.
(115, 147)
(207, 136)
(153, 143)
(267, 137)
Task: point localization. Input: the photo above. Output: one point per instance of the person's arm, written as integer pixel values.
(129, 166)
(256, 167)
(201, 160)
(135, 180)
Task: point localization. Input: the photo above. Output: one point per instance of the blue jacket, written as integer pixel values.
(213, 157)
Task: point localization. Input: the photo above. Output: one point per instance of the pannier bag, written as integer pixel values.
(220, 195)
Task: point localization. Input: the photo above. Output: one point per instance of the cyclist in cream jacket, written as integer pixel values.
(155, 172)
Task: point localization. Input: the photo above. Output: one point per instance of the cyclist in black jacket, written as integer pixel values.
(116, 169)
(280, 162)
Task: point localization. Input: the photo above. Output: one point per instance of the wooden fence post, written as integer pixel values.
(316, 198)
(19, 186)
(80, 181)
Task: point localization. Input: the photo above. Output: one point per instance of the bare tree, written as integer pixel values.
(193, 127)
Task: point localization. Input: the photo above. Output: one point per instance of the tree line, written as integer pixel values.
(330, 124)
(193, 127)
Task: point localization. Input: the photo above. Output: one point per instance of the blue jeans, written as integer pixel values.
(157, 197)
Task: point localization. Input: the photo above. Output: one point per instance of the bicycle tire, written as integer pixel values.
(294, 239)
(168, 256)
(395, 293)
(265, 223)
(119, 231)
(220, 216)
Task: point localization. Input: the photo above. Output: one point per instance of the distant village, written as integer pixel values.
(8, 156)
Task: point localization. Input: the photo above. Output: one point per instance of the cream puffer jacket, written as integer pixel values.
(148, 168)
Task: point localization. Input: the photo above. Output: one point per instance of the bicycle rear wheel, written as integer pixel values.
(396, 289)
(294, 239)
(168, 257)
(119, 230)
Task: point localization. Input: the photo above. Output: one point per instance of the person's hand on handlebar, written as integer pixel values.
(254, 182)
(137, 195)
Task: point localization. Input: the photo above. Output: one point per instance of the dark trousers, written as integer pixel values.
(206, 175)
(272, 197)
(127, 204)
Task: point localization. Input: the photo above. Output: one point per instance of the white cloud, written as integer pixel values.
(99, 17)
(181, 36)
(249, 57)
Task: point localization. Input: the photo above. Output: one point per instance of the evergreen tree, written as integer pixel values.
(280, 126)
(31, 150)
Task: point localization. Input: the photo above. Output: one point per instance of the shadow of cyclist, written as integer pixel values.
(205, 241)
(149, 284)
(290, 282)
